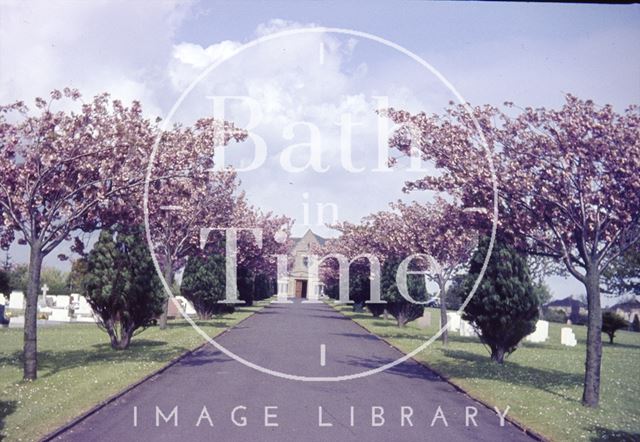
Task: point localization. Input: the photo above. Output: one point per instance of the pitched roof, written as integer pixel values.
(565, 302)
(318, 238)
(626, 305)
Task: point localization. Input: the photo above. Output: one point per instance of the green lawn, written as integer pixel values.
(542, 383)
(78, 369)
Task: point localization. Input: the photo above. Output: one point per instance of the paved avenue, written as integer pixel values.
(207, 396)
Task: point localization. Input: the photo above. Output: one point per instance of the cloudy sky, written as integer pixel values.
(310, 97)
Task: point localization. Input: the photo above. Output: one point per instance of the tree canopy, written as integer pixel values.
(567, 184)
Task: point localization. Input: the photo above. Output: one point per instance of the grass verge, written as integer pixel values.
(541, 383)
(78, 369)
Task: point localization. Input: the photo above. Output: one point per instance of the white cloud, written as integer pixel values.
(120, 47)
(311, 77)
(199, 57)
(278, 25)
(117, 46)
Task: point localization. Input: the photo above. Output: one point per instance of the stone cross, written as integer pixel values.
(45, 290)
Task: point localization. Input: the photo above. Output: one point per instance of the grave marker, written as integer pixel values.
(567, 337)
(16, 300)
(541, 333)
(466, 329)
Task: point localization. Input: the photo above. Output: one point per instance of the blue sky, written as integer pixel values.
(593, 44)
(491, 52)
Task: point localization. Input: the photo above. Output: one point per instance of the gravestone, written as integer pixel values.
(425, 320)
(42, 299)
(453, 319)
(186, 304)
(567, 337)
(16, 300)
(59, 315)
(466, 329)
(541, 333)
(83, 306)
(61, 301)
(3, 300)
(84, 312)
(16, 322)
(42, 302)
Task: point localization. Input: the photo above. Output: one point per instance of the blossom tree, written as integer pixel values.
(64, 171)
(382, 237)
(359, 243)
(568, 182)
(440, 232)
(443, 232)
(72, 171)
(253, 260)
(187, 194)
(177, 216)
(254, 256)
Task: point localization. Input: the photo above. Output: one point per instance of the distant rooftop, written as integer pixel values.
(627, 305)
(319, 238)
(565, 302)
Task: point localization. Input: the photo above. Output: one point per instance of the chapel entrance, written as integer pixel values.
(301, 288)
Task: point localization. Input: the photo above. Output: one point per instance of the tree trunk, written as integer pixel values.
(204, 316)
(253, 289)
(443, 315)
(401, 320)
(122, 341)
(610, 338)
(30, 368)
(125, 339)
(591, 393)
(113, 337)
(497, 355)
(168, 277)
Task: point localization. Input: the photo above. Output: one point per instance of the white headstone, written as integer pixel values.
(45, 290)
(61, 301)
(83, 311)
(84, 308)
(59, 315)
(466, 329)
(16, 300)
(3, 300)
(453, 319)
(42, 302)
(16, 322)
(186, 305)
(541, 333)
(567, 337)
